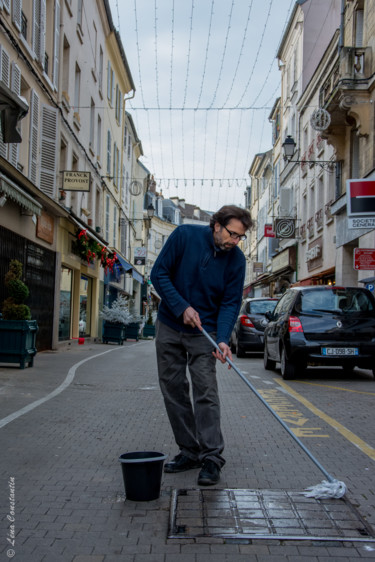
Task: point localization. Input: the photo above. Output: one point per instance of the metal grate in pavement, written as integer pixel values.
(264, 514)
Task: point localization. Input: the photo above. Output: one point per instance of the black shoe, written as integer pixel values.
(210, 473)
(181, 463)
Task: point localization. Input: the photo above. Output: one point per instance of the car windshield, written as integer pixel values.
(260, 307)
(335, 300)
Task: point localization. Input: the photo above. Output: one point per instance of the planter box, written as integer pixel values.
(113, 332)
(148, 330)
(132, 331)
(17, 341)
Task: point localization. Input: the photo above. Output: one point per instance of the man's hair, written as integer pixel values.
(228, 212)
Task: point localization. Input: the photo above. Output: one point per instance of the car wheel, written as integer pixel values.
(232, 346)
(288, 369)
(269, 364)
(240, 352)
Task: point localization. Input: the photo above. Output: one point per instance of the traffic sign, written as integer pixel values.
(370, 286)
(364, 258)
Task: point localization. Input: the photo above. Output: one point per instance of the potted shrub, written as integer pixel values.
(149, 327)
(119, 321)
(17, 330)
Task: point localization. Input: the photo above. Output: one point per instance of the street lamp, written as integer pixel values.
(289, 148)
(150, 211)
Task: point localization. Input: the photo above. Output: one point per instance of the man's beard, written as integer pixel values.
(226, 247)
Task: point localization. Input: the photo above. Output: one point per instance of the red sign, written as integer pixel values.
(360, 195)
(268, 231)
(364, 258)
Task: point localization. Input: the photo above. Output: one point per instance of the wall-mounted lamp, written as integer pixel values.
(150, 211)
(289, 148)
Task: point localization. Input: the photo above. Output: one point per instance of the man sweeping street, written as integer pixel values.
(199, 276)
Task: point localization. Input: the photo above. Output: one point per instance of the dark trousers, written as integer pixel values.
(196, 426)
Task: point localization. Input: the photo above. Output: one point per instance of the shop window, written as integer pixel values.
(85, 305)
(65, 303)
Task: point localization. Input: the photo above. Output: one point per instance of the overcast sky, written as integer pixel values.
(206, 79)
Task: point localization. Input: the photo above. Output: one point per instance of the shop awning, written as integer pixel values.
(367, 280)
(137, 276)
(130, 268)
(124, 264)
(154, 293)
(19, 196)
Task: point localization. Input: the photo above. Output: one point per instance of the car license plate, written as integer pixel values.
(339, 351)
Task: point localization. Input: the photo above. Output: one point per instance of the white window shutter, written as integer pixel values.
(109, 142)
(6, 4)
(42, 31)
(4, 67)
(109, 80)
(16, 13)
(48, 150)
(15, 86)
(34, 127)
(56, 46)
(4, 77)
(36, 28)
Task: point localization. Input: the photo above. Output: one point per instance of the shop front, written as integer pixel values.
(315, 264)
(79, 281)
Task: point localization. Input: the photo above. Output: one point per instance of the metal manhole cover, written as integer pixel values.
(264, 514)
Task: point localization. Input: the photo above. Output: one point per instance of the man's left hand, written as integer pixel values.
(226, 352)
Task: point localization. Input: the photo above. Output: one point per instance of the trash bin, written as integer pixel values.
(142, 472)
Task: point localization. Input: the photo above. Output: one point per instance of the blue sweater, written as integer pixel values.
(191, 271)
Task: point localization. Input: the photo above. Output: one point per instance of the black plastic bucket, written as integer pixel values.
(142, 472)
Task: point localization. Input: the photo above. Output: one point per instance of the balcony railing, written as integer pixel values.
(319, 218)
(354, 63)
(310, 226)
(327, 210)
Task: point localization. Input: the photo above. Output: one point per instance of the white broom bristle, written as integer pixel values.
(325, 489)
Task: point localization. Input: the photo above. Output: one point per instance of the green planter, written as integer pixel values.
(113, 332)
(149, 330)
(132, 331)
(17, 341)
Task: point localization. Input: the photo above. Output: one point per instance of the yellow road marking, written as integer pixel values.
(287, 412)
(349, 435)
(337, 388)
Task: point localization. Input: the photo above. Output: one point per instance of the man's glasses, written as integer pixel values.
(234, 235)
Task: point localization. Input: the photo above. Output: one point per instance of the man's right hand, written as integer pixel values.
(191, 318)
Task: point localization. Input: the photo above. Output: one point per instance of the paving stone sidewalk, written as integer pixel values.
(59, 464)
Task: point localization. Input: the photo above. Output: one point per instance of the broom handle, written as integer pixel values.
(308, 453)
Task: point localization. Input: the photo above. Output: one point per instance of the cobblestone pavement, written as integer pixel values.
(61, 489)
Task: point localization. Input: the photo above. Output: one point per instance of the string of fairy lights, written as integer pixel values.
(197, 68)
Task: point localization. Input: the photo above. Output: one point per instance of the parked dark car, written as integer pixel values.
(248, 331)
(321, 325)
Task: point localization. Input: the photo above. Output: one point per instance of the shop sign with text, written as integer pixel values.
(76, 181)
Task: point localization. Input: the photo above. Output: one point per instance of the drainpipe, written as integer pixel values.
(342, 23)
(130, 97)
